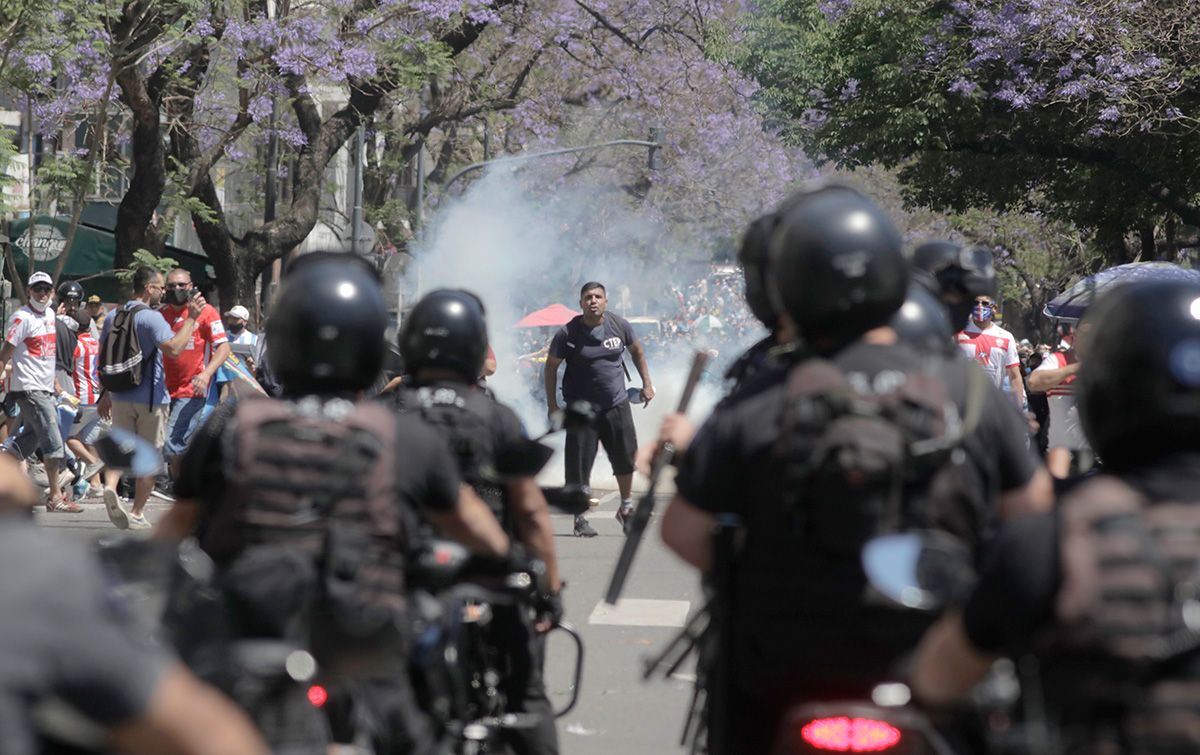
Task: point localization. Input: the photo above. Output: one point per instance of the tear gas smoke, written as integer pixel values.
(520, 251)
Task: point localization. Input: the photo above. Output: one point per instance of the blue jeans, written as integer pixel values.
(187, 414)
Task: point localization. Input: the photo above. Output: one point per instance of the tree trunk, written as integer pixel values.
(149, 178)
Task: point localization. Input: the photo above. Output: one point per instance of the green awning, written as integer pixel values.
(92, 253)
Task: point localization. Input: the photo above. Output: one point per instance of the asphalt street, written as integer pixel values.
(617, 711)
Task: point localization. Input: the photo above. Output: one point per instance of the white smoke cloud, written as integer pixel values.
(520, 251)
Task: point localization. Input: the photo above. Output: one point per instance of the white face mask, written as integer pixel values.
(38, 306)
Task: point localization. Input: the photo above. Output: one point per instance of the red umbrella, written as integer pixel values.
(555, 314)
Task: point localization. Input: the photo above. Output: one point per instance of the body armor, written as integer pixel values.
(1122, 663)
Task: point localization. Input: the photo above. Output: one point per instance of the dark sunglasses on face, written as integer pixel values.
(41, 289)
(179, 285)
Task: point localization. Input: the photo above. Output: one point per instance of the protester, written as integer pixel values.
(1055, 377)
(592, 345)
(87, 426)
(143, 409)
(236, 326)
(189, 375)
(993, 347)
(96, 310)
(30, 345)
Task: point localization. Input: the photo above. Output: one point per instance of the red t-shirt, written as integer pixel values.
(208, 335)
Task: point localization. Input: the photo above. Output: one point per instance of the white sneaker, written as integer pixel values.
(116, 514)
(137, 522)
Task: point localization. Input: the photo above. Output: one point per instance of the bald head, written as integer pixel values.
(16, 490)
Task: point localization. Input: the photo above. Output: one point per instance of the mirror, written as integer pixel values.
(919, 570)
(523, 459)
(570, 499)
(578, 415)
(123, 451)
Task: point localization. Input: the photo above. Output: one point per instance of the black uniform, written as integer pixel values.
(801, 627)
(63, 635)
(241, 515)
(477, 428)
(1047, 587)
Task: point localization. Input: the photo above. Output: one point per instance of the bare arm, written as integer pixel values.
(688, 531)
(1034, 497)
(946, 665)
(550, 376)
(531, 516)
(1041, 381)
(471, 523)
(6, 352)
(175, 346)
(1017, 385)
(187, 717)
(220, 354)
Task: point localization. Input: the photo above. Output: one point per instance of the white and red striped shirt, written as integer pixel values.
(1056, 360)
(995, 349)
(87, 379)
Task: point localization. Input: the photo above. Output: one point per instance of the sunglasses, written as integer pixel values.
(41, 289)
(985, 303)
(179, 285)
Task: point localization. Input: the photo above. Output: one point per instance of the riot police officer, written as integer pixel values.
(1104, 591)
(801, 628)
(66, 642)
(444, 343)
(307, 506)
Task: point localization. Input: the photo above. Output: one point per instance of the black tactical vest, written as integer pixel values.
(309, 533)
(1121, 666)
(466, 417)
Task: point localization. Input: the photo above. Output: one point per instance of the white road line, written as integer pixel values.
(635, 612)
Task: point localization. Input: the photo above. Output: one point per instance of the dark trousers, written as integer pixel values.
(614, 430)
(386, 711)
(524, 685)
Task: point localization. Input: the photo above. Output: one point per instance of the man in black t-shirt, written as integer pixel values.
(592, 346)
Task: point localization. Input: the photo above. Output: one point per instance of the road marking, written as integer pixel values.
(633, 612)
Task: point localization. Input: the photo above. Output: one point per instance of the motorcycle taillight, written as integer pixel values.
(318, 695)
(844, 734)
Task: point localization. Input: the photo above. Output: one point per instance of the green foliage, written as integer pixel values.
(1030, 126)
(143, 258)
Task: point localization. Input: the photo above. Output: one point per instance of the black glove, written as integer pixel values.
(550, 607)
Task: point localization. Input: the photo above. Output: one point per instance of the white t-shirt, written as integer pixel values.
(995, 349)
(32, 337)
(245, 337)
(1065, 430)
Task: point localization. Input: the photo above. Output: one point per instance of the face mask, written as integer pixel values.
(235, 329)
(177, 296)
(37, 306)
(981, 313)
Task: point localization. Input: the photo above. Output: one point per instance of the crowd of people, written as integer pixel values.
(73, 370)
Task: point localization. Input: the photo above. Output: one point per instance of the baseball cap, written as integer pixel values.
(239, 312)
(40, 277)
(93, 299)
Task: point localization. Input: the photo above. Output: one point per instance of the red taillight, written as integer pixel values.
(318, 695)
(842, 734)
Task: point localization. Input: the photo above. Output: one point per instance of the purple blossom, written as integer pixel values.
(963, 86)
(1110, 114)
(38, 62)
(260, 108)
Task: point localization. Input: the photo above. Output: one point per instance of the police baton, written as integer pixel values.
(645, 506)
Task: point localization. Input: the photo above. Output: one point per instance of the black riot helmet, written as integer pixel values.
(446, 330)
(752, 256)
(837, 267)
(326, 332)
(959, 275)
(70, 291)
(1138, 388)
(922, 322)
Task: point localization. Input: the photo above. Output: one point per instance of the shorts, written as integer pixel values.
(187, 414)
(147, 422)
(40, 412)
(614, 430)
(1065, 430)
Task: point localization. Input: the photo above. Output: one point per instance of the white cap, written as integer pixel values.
(40, 277)
(239, 312)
